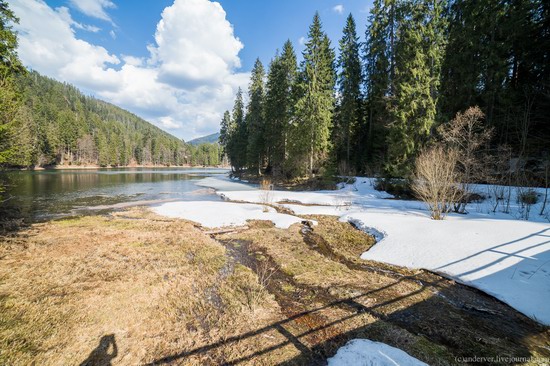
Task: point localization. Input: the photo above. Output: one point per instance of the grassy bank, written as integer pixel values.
(134, 288)
(153, 287)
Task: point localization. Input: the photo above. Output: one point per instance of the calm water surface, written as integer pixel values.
(45, 194)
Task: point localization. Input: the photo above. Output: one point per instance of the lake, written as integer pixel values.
(39, 195)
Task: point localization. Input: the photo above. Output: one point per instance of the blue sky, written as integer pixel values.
(175, 63)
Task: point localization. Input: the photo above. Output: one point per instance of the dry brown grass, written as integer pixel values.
(343, 240)
(157, 285)
(164, 291)
(418, 312)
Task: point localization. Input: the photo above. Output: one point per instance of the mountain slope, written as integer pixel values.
(57, 124)
(210, 139)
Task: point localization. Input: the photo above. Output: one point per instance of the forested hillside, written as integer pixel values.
(57, 124)
(44, 122)
(374, 104)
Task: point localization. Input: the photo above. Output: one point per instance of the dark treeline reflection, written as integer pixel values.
(43, 194)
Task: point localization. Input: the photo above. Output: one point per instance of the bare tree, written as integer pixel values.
(435, 179)
(500, 174)
(86, 150)
(466, 134)
(546, 181)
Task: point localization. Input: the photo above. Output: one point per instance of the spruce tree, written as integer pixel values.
(255, 120)
(414, 106)
(225, 132)
(238, 140)
(314, 108)
(10, 66)
(279, 106)
(349, 87)
(379, 54)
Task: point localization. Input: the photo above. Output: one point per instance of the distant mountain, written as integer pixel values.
(210, 139)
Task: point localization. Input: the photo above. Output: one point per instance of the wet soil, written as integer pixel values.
(449, 321)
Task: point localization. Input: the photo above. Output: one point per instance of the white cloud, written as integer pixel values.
(66, 16)
(94, 8)
(195, 44)
(47, 43)
(132, 60)
(169, 123)
(302, 40)
(339, 9)
(112, 34)
(185, 83)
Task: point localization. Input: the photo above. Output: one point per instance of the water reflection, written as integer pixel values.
(43, 194)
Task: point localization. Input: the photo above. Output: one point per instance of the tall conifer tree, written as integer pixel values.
(238, 138)
(414, 105)
(379, 61)
(225, 132)
(10, 66)
(280, 105)
(255, 119)
(349, 87)
(314, 108)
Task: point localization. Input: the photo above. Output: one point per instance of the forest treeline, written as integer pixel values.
(44, 122)
(55, 124)
(372, 106)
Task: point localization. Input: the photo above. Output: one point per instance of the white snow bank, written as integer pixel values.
(220, 214)
(495, 252)
(355, 193)
(507, 259)
(363, 352)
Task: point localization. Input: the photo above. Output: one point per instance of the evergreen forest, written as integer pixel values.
(369, 105)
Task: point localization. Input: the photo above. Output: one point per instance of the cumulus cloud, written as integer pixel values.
(169, 123)
(66, 16)
(47, 43)
(339, 9)
(196, 45)
(94, 8)
(185, 83)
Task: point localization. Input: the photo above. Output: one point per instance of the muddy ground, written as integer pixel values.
(133, 288)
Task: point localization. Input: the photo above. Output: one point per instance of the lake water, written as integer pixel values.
(38, 195)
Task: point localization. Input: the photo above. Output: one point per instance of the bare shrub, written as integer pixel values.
(500, 177)
(526, 197)
(435, 180)
(265, 195)
(467, 133)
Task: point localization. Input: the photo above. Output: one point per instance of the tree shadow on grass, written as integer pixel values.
(455, 321)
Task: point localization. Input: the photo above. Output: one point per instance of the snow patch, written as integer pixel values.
(507, 259)
(220, 214)
(492, 251)
(364, 352)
